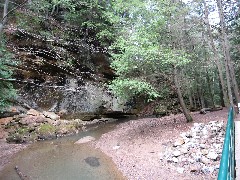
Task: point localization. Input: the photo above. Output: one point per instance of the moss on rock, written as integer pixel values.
(46, 131)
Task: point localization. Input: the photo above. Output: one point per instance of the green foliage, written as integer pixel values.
(140, 52)
(7, 91)
(127, 88)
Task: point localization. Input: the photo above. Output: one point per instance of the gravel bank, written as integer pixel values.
(137, 146)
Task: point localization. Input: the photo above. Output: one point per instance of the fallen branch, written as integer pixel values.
(20, 174)
(205, 110)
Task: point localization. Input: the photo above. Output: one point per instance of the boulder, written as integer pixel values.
(92, 161)
(33, 112)
(32, 119)
(51, 115)
(5, 121)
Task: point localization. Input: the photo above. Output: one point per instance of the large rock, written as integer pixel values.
(33, 112)
(51, 115)
(32, 119)
(4, 121)
(92, 161)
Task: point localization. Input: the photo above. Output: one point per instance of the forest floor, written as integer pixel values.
(136, 146)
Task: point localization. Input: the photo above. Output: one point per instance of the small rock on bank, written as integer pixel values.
(85, 140)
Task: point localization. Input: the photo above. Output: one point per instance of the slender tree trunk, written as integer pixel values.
(226, 50)
(199, 91)
(195, 102)
(201, 99)
(228, 84)
(210, 90)
(4, 19)
(190, 99)
(216, 56)
(180, 97)
(221, 94)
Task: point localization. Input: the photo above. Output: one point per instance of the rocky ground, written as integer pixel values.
(6, 149)
(17, 131)
(167, 147)
(34, 126)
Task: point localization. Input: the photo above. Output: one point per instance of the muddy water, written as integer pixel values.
(61, 159)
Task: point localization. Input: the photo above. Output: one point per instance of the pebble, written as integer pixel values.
(176, 153)
(116, 147)
(175, 160)
(212, 155)
(180, 170)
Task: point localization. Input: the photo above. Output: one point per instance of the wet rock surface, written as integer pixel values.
(92, 161)
(35, 125)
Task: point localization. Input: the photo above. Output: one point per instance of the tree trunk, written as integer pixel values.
(228, 84)
(216, 56)
(210, 90)
(201, 99)
(180, 97)
(221, 94)
(190, 99)
(195, 102)
(4, 19)
(226, 50)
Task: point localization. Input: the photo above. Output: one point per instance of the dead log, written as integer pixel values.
(20, 174)
(206, 110)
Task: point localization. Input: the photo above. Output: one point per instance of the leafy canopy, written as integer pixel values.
(140, 52)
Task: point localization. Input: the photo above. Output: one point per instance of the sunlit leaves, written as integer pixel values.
(127, 88)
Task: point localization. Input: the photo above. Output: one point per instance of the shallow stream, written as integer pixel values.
(61, 159)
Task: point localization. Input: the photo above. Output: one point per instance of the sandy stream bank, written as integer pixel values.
(134, 146)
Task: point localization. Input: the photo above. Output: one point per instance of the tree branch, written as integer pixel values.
(18, 6)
